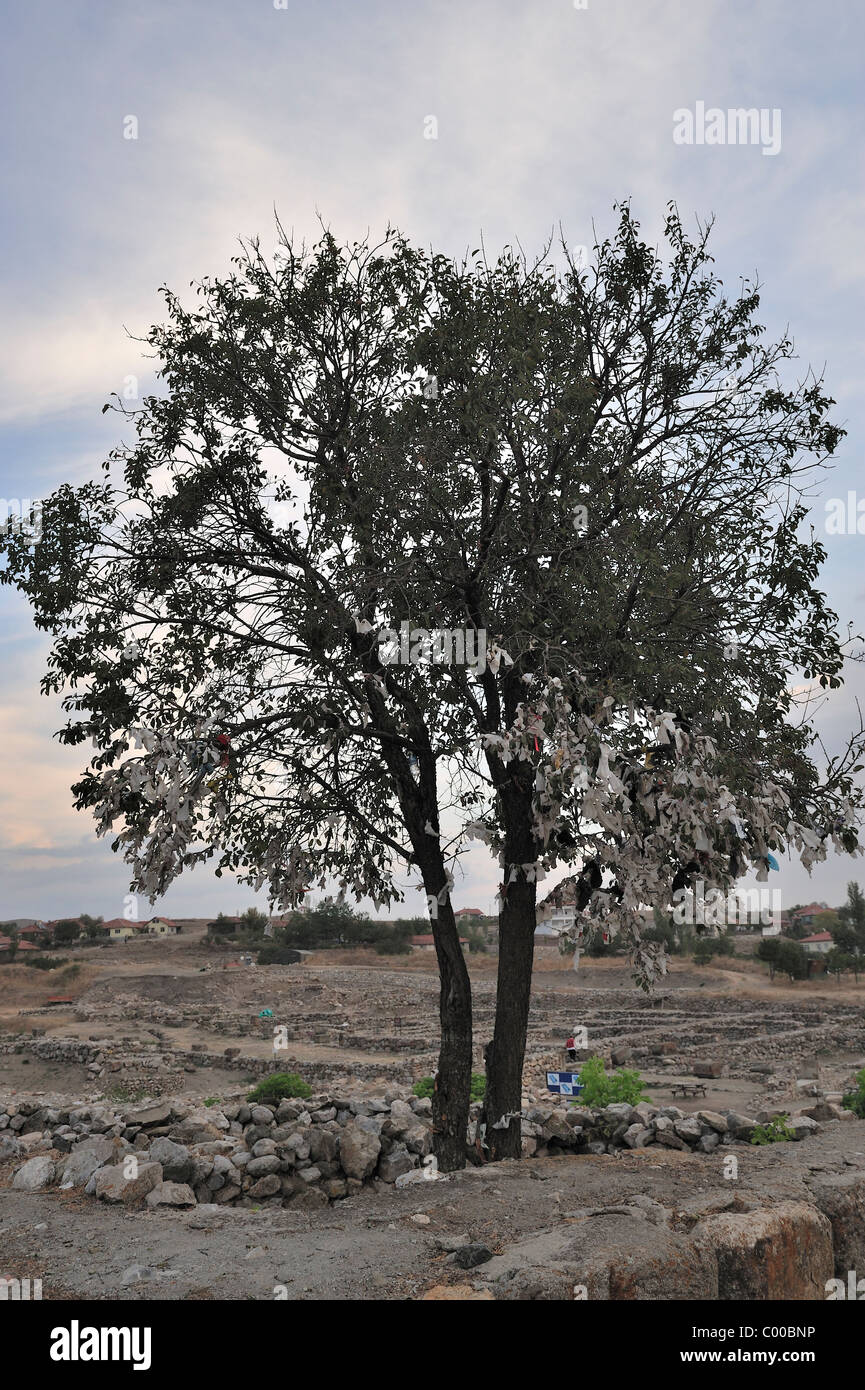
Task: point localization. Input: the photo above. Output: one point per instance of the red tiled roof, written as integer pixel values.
(818, 936)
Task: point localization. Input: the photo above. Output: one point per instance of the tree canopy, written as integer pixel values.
(593, 475)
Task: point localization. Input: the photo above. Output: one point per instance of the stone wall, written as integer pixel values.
(311, 1152)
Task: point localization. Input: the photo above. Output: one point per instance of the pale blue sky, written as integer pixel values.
(546, 114)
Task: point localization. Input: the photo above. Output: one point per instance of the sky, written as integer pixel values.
(141, 141)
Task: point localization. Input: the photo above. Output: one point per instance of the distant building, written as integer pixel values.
(810, 916)
(427, 943)
(161, 926)
(118, 927)
(38, 931)
(469, 912)
(817, 945)
(558, 910)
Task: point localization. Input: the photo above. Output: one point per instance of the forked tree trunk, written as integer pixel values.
(506, 1053)
(453, 1082)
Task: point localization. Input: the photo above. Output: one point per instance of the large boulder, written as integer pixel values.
(323, 1145)
(175, 1158)
(171, 1194)
(35, 1174)
(149, 1115)
(393, 1165)
(740, 1126)
(637, 1137)
(84, 1159)
(261, 1115)
(418, 1140)
(557, 1127)
(259, 1167)
(803, 1126)
(111, 1184)
(358, 1151)
(782, 1252)
(688, 1129)
(841, 1198)
(268, 1186)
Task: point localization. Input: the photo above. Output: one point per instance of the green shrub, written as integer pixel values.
(599, 1089)
(278, 955)
(281, 1085)
(775, 1132)
(45, 962)
(425, 1087)
(855, 1100)
(393, 946)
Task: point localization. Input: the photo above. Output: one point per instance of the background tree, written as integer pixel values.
(253, 921)
(67, 931)
(848, 929)
(837, 962)
(767, 950)
(92, 926)
(598, 473)
(792, 959)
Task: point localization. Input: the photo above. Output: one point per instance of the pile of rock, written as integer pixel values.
(310, 1152)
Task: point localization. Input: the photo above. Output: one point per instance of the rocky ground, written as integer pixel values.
(650, 1224)
(327, 1199)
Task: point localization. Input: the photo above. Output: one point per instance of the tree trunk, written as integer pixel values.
(453, 1083)
(506, 1053)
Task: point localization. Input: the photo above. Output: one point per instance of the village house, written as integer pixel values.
(118, 927)
(820, 944)
(37, 931)
(6, 952)
(161, 926)
(810, 916)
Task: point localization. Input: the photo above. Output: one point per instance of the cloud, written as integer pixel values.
(546, 114)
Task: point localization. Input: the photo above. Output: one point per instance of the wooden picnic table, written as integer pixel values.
(688, 1088)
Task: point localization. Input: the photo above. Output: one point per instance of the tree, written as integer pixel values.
(253, 921)
(92, 925)
(590, 482)
(67, 931)
(839, 961)
(329, 925)
(791, 959)
(768, 950)
(848, 929)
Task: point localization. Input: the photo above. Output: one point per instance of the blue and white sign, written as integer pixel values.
(564, 1083)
